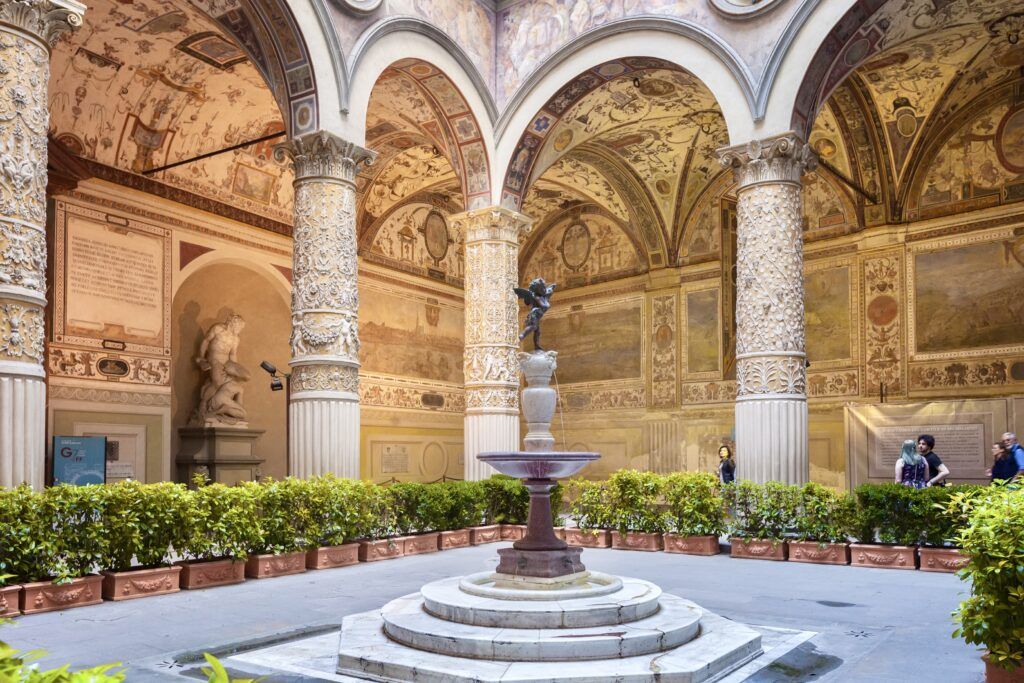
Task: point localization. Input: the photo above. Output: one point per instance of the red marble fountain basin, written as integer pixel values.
(539, 464)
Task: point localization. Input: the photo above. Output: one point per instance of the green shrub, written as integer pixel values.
(21, 538)
(220, 521)
(763, 511)
(417, 507)
(589, 508)
(280, 508)
(695, 504)
(993, 537)
(941, 520)
(824, 515)
(889, 513)
(72, 533)
(18, 667)
(143, 521)
(337, 510)
(507, 500)
(465, 505)
(634, 498)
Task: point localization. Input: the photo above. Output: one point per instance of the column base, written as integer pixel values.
(22, 431)
(488, 432)
(323, 436)
(771, 440)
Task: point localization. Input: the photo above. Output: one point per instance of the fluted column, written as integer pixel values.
(490, 359)
(324, 405)
(771, 401)
(28, 29)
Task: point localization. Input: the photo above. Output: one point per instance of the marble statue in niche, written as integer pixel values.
(220, 400)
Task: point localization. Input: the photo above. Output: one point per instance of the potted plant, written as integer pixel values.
(822, 526)
(382, 541)
(762, 515)
(20, 538)
(945, 510)
(888, 525)
(418, 511)
(71, 543)
(221, 524)
(508, 504)
(634, 499)
(465, 508)
(591, 513)
(993, 615)
(336, 510)
(280, 549)
(143, 522)
(696, 513)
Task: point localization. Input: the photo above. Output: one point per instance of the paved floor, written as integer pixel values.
(872, 624)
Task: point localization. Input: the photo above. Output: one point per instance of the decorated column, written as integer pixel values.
(28, 29)
(324, 406)
(771, 400)
(491, 340)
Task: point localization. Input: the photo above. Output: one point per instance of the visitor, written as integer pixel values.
(726, 465)
(938, 471)
(911, 468)
(1004, 465)
(1010, 441)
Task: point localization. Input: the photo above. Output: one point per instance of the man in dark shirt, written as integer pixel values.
(937, 471)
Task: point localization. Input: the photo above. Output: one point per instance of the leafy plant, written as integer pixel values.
(24, 543)
(416, 507)
(465, 505)
(889, 513)
(71, 527)
(220, 521)
(993, 538)
(336, 510)
(695, 504)
(507, 500)
(280, 507)
(825, 515)
(633, 498)
(143, 521)
(18, 667)
(589, 507)
(941, 519)
(762, 511)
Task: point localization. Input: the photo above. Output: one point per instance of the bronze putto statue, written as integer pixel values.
(538, 297)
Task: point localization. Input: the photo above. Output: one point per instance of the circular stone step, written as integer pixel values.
(675, 623)
(633, 599)
(502, 586)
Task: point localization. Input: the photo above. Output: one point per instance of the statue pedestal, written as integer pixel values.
(223, 454)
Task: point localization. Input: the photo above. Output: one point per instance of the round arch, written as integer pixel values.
(280, 285)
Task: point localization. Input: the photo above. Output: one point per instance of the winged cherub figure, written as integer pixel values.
(538, 298)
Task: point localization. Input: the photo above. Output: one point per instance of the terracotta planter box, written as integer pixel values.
(383, 549)
(690, 545)
(887, 556)
(512, 532)
(139, 583)
(997, 674)
(819, 553)
(636, 540)
(458, 538)
(44, 596)
(942, 559)
(597, 538)
(10, 600)
(560, 533)
(209, 573)
(478, 535)
(328, 557)
(269, 566)
(422, 543)
(758, 549)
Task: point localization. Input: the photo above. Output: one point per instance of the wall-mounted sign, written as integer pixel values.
(79, 460)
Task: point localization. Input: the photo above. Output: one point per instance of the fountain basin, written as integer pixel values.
(538, 464)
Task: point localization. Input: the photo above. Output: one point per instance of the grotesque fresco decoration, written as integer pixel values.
(827, 314)
(410, 337)
(702, 331)
(407, 173)
(596, 344)
(583, 249)
(148, 83)
(418, 238)
(968, 297)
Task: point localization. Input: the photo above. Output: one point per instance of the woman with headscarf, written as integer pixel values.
(911, 468)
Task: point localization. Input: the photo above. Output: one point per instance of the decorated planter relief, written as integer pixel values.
(422, 543)
(484, 534)
(139, 583)
(886, 556)
(268, 566)
(383, 549)
(329, 557)
(453, 539)
(819, 553)
(209, 573)
(691, 545)
(44, 596)
(587, 538)
(942, 559)
(759, 549)
(636, 540)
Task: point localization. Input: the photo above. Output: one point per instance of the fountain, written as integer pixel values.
(542, 616)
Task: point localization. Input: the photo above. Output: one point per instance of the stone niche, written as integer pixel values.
(963, 430)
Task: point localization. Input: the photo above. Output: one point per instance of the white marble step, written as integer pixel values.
(636, 599)
(366, 652)
(676, 622)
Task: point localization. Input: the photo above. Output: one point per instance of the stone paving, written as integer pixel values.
(868, 624)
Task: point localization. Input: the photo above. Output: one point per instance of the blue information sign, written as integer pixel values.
(79, 460)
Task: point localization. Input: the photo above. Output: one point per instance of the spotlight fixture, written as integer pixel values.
(269, 367)
(276, 383)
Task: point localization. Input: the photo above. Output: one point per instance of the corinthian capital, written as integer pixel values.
(780, 159)
(493, 223)
(45, 20)
(324, 155)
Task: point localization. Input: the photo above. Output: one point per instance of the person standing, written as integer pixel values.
(1010, 441)
(726, 465)
(911, 468)
(1004, 465)
(938, 471)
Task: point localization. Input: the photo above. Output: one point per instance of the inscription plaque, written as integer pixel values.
(394, 459)
(962, 448)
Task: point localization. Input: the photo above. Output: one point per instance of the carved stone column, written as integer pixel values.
(771, 401)
(324, 405)
(491, 353)
(28, 29)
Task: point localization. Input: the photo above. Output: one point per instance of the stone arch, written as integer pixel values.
(280, 284)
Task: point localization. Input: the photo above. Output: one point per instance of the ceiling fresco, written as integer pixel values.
(145, 84)
(418, 238)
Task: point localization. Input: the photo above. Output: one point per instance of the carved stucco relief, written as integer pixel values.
(325, 297)
(883, 340)
(664, 317)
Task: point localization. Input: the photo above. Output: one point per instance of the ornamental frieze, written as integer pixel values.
(22, 257)
(338, 378)
(326, 334)
(771, 375)
(106, 366)
(21, 332)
